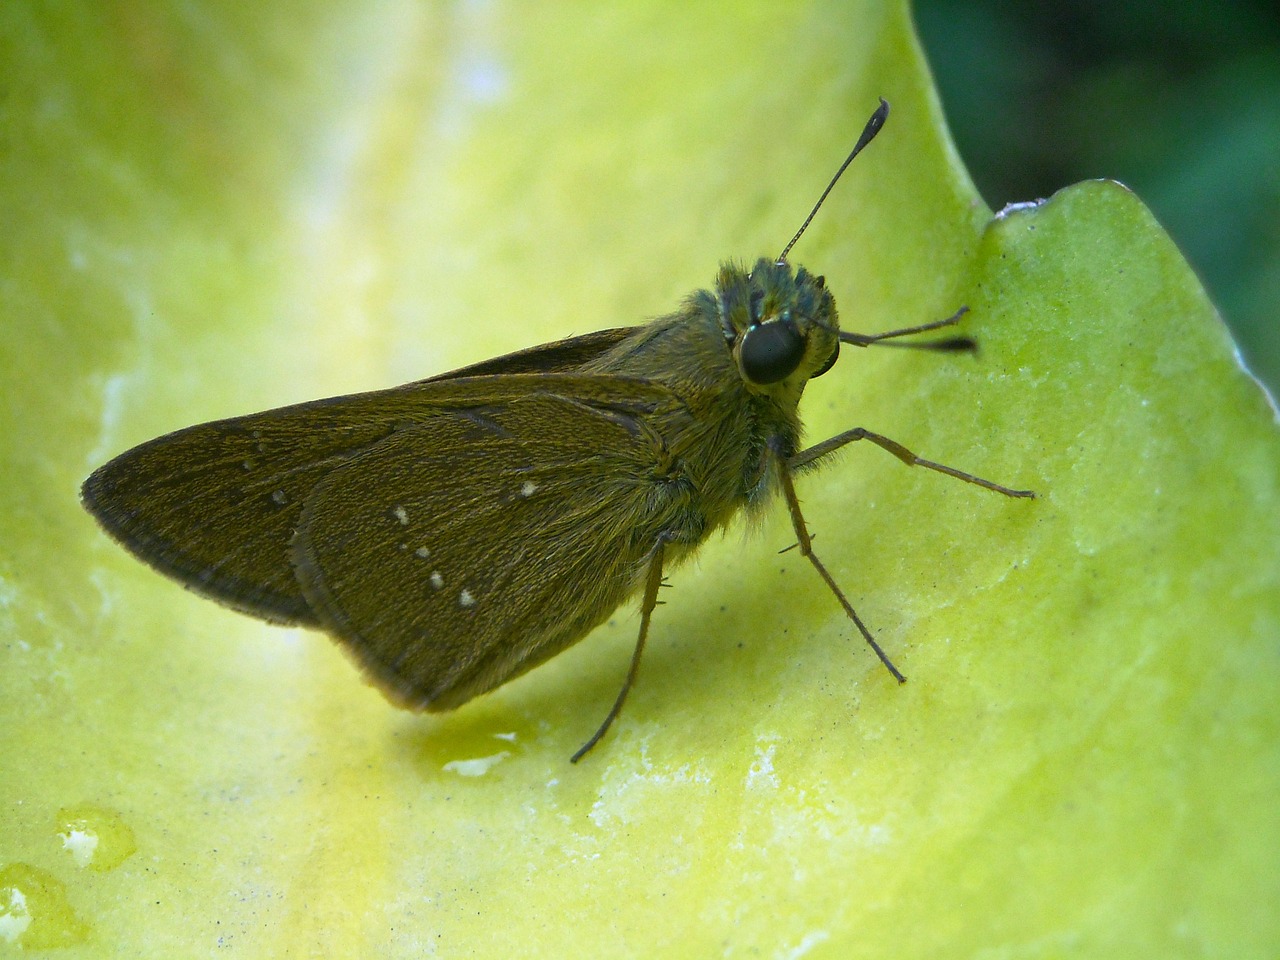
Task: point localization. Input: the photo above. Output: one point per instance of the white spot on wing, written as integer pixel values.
(527, 488)
(466, 598)
(401, 514)
(437, 581)
(422, 552)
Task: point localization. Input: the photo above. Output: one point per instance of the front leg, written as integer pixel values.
(807, 458)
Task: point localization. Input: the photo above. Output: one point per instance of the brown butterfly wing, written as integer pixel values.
(215, 505)
(456, 555)
(559, 356)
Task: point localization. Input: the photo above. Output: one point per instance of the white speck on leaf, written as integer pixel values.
(477, 767)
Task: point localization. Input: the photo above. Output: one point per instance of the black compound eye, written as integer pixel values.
(831, 362)
(770, 352)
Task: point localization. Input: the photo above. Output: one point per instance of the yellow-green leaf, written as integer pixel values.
(212, 209)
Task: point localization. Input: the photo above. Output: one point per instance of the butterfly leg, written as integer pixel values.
(809, 457)
(806, 551)
(653, 582)
(806, 458)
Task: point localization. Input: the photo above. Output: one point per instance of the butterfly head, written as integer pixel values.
(780, 324)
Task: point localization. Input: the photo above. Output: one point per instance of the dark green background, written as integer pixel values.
(1178, 100)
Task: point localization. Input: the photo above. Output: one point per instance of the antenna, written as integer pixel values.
(868, 134)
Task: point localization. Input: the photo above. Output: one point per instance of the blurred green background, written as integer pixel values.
(1179, 100)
